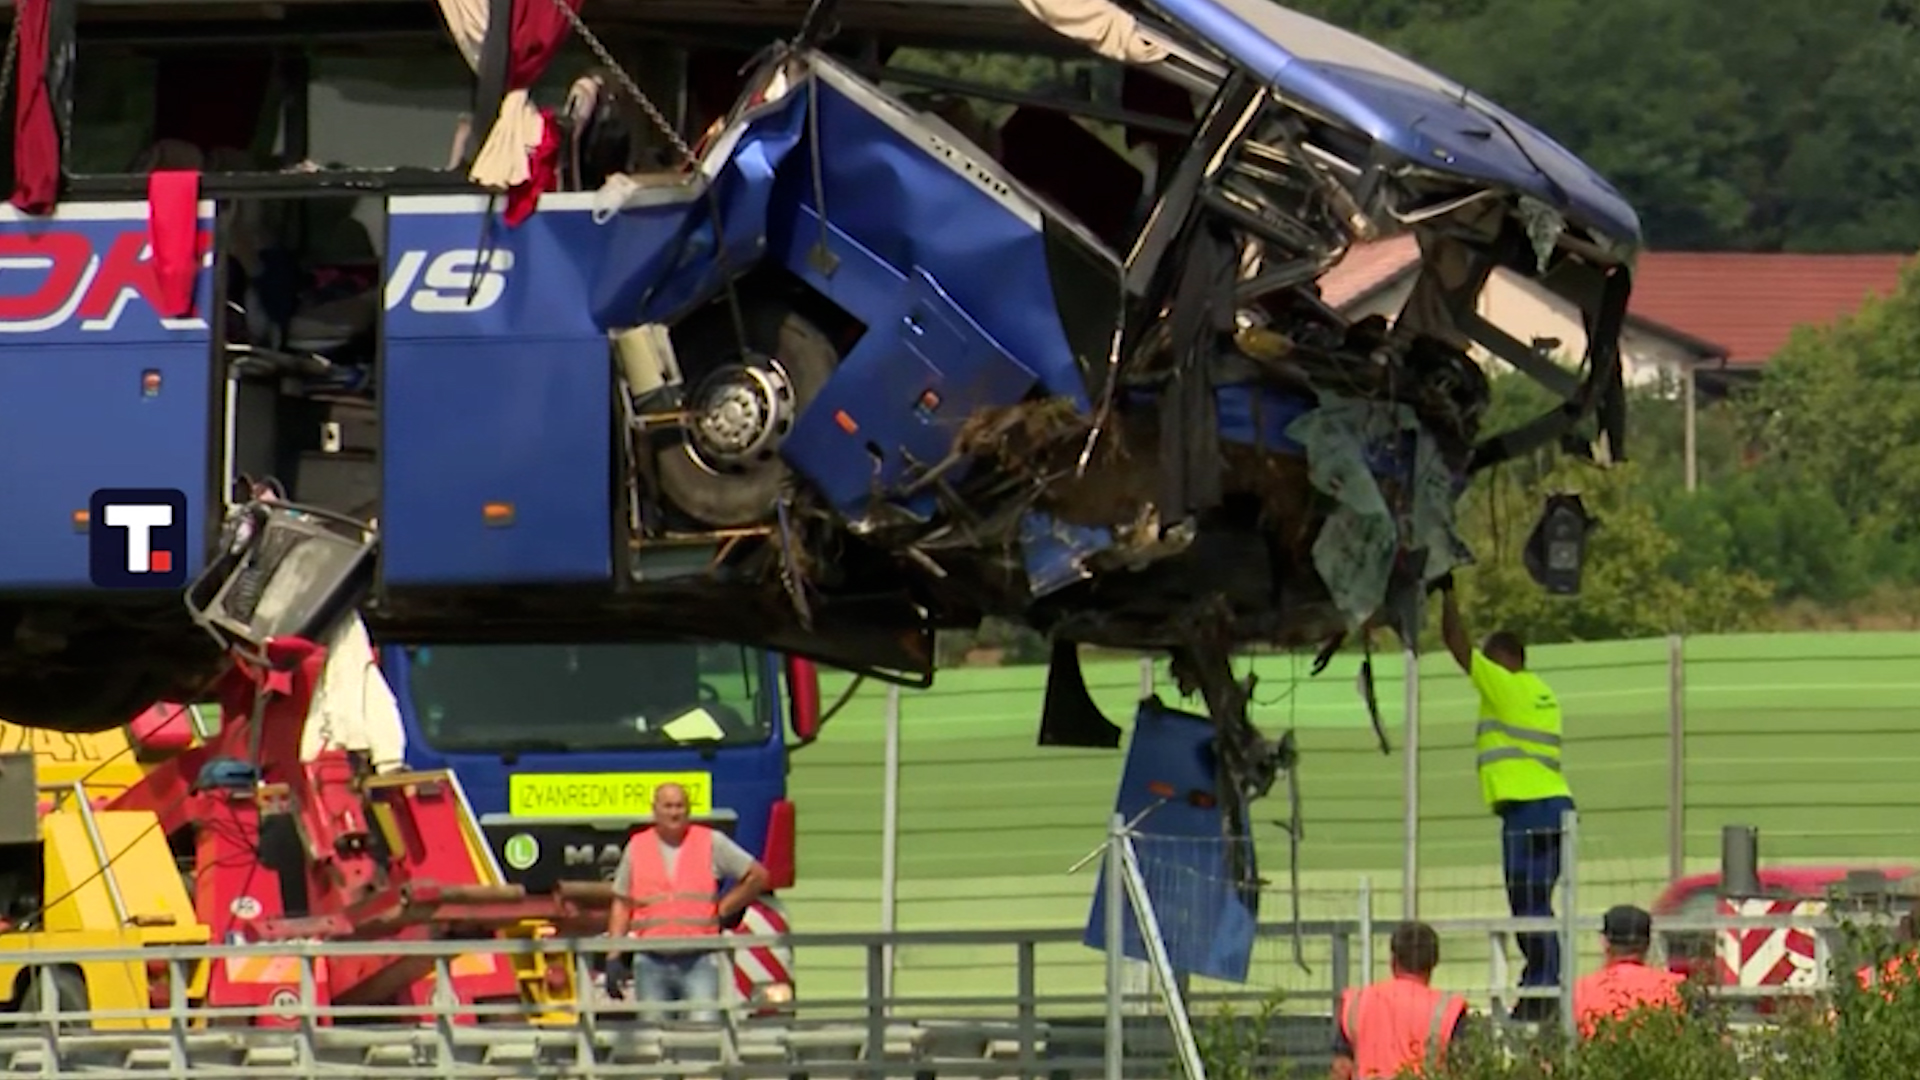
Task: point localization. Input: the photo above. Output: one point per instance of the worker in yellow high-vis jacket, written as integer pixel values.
(1517, 754)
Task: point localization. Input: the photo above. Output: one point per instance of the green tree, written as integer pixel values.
(1838, 410)
(1627, 586)
(1780, 124)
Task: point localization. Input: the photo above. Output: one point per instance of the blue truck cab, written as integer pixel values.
(559, 745)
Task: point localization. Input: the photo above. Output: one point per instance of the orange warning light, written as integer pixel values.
(497, 513)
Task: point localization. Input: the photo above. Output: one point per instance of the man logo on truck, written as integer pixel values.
(607, 857)
(137, 538)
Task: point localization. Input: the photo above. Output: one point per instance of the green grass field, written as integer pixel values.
(1813, 738)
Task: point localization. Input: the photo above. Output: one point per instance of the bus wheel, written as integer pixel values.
(724, 468)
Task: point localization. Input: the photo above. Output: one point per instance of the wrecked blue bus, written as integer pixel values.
(815, 327)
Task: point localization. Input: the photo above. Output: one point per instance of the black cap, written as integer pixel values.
(1625, 924)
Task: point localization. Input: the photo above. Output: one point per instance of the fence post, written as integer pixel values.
(1410, 796)
(1116, 940)
(1569, 917)
(1366, 931)
(890, 840)
(1676, 757)
(1137, 975)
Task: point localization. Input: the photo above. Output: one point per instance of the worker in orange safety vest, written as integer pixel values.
(1625, 982)
(1401, 1022)
(665, 887)
(1897, 969)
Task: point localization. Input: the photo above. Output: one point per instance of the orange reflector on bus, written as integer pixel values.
(1161, 788)
(81, 518)
(150, 383)
(1201, 799)
(497, 513)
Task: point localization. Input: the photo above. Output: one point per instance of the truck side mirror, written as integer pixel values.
(803, 699)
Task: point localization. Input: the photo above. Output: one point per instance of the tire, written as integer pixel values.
(735, 494)
(69, 987)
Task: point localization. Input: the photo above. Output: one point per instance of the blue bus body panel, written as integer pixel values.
(1208, 925)
(949, 272)
(899, 210)
(79, 335)
(639, 283)
(1411, 109)
(496, 388)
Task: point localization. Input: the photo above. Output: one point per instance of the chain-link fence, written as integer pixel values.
(937, 809)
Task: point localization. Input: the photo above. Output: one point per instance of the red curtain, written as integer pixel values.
(537, 32)
(36, 142)
(543, 168)
(534, 38)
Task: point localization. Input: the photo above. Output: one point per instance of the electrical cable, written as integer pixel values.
(106, 866)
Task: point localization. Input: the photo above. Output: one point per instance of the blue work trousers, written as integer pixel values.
(691, 979)
(1530, 838)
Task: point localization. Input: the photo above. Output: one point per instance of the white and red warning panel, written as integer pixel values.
(1771, 956)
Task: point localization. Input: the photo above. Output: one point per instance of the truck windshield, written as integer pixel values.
(580, 698)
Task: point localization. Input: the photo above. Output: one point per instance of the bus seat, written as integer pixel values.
(1050, 152)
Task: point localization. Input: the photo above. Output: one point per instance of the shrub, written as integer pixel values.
(1843, 1033)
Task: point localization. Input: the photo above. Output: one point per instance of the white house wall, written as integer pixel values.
(1528, 311)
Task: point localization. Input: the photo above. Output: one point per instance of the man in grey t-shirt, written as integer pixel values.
(654, 895)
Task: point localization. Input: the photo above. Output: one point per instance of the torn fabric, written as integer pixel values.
(506, 160)
(1361, 540)
(467, 21)
(1100, 25)
(353, 708)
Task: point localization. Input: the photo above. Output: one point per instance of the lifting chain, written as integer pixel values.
(620, 75)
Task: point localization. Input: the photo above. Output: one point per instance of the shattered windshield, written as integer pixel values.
(558, 698)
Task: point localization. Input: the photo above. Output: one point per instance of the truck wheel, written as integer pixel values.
(67, 985)
(724, 468)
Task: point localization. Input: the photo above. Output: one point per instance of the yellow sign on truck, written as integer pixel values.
(601, 795)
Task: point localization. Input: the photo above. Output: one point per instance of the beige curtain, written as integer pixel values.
(1099, 25)
(517, 130)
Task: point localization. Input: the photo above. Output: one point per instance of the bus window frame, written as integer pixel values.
(64, 33)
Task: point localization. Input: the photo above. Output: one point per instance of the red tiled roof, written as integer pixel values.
(1366, 267)
(1749, 303)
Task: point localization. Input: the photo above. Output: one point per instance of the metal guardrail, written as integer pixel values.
(1026, 1034)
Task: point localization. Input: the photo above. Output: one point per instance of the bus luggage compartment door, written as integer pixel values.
(97, 390)
(496, 400)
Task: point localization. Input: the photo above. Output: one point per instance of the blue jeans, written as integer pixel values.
(1530, 838)
(687, 977)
